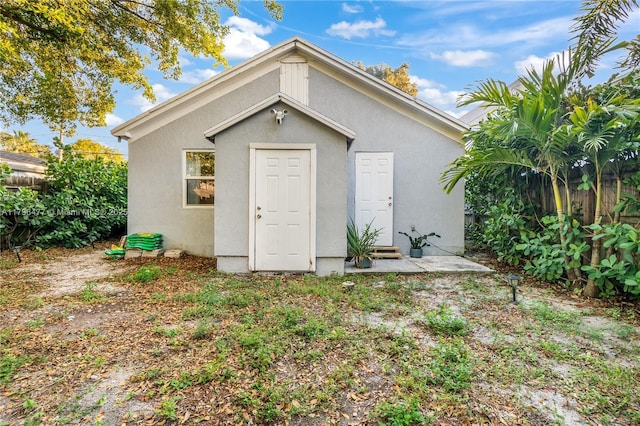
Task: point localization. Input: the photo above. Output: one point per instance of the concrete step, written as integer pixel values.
(390, 252)
(386, 255)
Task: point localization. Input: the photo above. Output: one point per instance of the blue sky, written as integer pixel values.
(449, 46)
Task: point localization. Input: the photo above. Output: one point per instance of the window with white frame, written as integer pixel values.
(199, 178)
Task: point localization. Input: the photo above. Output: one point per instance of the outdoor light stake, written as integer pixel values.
(16, 250)
(513, 281)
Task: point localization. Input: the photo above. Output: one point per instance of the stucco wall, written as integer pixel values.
(156, 175)
(421, 154)
(232, 182)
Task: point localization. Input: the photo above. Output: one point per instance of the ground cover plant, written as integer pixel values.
(172, 341)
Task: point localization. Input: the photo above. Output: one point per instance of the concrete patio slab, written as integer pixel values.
(381, 266)
(407, 265)
(449, 264)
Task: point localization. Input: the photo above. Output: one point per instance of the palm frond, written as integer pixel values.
(485, 162)
(492, 93)
(596, 28)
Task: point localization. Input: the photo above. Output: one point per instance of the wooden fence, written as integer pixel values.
(583, 201)
(14, 182)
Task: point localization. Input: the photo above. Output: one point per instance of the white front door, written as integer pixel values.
(282, 210)
(374, 193)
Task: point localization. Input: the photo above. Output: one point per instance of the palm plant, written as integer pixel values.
(525, 134)
(360, 243)
(536, 129)
(602, 130)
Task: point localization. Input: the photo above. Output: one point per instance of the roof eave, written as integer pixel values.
(272, 100)
(122, 129)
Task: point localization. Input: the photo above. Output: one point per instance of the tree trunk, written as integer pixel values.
(567, 194)
(571, 273)
(591, 290)
(61, 145)
(616, 214)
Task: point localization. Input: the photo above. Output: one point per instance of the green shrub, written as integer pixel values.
(203, 330)
(618, 272)
(85, 201)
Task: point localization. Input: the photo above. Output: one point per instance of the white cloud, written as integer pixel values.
(436, 94)
(532, 62)
(248, 26)
(162, 94)
(243, 40)
(468, 58)
(360, 29)
(197, 76)
(471, 36)
(184, 61)
(113, 120)
(349, 8)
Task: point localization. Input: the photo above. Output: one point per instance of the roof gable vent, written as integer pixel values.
(294, 78)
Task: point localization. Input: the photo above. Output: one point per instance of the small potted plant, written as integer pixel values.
(360, 243)
(417, 243)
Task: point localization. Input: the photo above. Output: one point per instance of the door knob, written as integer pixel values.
(389, 204)
(258, 208)
(259, 216)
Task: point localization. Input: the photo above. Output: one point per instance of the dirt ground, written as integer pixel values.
(87, 318)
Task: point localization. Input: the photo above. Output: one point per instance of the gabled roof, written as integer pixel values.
(272, 100)
(267, 61)
(23, 162)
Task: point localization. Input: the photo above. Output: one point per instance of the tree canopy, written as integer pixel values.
(22, 143)
(91, 150)
(398, 77)
(60, 58)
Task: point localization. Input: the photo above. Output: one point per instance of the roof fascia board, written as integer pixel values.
(259, 62)
(22, 166)
(398, 101)
(175, 108)
(336, 63)
(272, 100)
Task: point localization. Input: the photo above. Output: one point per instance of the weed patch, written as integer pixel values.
(146, 273)
(548, 315)
(89, 294)
(9, 364)
(400, 413)
(444, 322)
(169, 409)
(451, 365)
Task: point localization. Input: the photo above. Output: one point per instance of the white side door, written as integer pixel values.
(374, 193)
(282, 210)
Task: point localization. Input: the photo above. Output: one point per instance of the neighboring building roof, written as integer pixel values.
(23, 162)
(267, 61)
(272, 100)
(477, 114)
